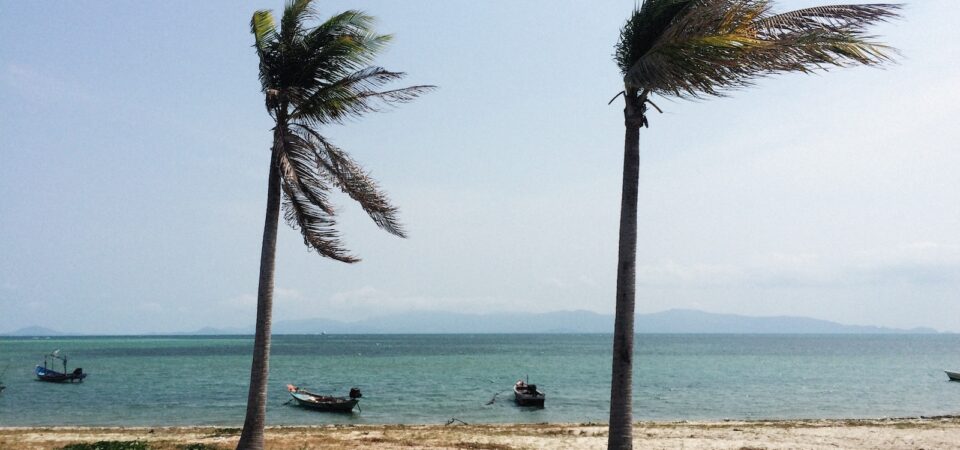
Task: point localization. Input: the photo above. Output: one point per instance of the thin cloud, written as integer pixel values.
(921, 263)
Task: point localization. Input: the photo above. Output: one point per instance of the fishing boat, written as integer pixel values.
(47, 373)
(526, 394)
(327, 403)
(954, 376)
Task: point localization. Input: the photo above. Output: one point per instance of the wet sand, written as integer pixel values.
(925, 433)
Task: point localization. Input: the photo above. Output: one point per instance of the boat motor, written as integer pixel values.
(355, 393)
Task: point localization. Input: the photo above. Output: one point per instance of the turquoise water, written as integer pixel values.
(433, 378)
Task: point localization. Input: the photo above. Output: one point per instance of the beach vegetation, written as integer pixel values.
(218, 432)
(696, 49)
(108, 445)
(311, 77)
(199, 446)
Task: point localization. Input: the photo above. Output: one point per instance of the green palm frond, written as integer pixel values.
(702, 48)
(263, 29)
(316, 76)
(295, 16)
(354, 95)
(643, 28)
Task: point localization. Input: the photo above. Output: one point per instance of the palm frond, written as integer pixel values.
(315, 225)
(354, 95)
(263, 29)
(295, 15)
(712, 46)
(349, 36)
(837, 18)
(831, 35)
(643, 28)
(347, 175)
(299, 167)
(709, 46)
(264, 37)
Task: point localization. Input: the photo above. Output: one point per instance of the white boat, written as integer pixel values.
(954, 376)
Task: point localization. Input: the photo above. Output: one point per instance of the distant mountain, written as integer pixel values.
(693, 321)
(447, 322)
(674, 321)
(208, 331)
(671, 321)
(33, 331)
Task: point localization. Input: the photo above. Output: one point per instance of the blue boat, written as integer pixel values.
(46, 372)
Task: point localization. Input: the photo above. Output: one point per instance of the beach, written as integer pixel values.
(916, 433)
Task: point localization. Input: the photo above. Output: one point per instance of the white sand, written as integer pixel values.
(932, 433)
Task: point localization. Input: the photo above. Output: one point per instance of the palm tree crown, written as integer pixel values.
(696, 48)
(318, 76)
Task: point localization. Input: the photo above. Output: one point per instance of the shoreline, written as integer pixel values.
(927, 432)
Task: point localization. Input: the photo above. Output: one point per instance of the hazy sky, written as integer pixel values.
(134, 151)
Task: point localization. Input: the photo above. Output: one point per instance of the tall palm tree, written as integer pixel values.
(313, 77)
(699, 49)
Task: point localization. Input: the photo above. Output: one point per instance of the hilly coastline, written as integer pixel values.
(674, 321)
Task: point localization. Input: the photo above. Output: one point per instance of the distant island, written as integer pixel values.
(674, 321)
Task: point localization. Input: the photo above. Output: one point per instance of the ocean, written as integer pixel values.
(202, 380)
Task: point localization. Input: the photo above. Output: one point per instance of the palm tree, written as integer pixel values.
(703, 48)
(313, 77)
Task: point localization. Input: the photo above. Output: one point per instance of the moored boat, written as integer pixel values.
(47, 373)
(327, 403)
(954, 376)
(527, 394)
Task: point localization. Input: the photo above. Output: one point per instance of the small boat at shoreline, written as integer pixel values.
(953, 376)
(326, 403)
(527, 394)
(46, 372)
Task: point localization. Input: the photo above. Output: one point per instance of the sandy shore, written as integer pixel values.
(926, 433)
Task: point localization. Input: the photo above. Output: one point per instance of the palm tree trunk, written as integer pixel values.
(252, 436)
(620, 435)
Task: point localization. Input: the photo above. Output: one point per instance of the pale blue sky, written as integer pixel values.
(134, 149)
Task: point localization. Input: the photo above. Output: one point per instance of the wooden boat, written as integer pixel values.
(527, 394)
(954, 376)
(324, 402)
(46, 372)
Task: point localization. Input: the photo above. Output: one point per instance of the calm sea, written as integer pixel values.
(433, 378)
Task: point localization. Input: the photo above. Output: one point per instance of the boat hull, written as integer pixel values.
(528, 395)
(342, 406)
(527, 400)
(52, 376)
(323, 402)
(953, 376)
